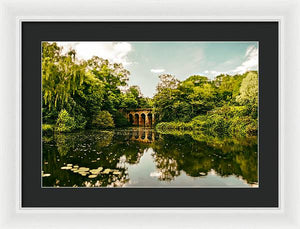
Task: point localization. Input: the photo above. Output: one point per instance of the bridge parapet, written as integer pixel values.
(139, 109)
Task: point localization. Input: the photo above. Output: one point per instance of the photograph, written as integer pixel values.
(141, 114)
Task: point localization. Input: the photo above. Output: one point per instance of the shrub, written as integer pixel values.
(120, 120)
(103, 120)
(220, 122)
(65, 123)
(198, 122)
(174, 126)
(252, 128)
(47, 128)
(216, 125)
(80, 122)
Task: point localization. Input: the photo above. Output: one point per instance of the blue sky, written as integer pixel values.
(147, 60)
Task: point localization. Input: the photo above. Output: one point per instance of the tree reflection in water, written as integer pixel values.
(173, 154)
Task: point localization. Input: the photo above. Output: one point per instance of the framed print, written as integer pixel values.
(182, 179)
(154, 135)
(134, 118)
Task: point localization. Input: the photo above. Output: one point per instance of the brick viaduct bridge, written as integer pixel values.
(141, 117)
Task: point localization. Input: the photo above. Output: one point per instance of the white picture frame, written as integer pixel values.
(12, 13)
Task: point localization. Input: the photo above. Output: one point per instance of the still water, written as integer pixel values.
(139, 157)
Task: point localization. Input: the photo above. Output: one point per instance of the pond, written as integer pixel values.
(142, 157)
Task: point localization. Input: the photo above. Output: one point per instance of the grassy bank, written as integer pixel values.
(225, 121)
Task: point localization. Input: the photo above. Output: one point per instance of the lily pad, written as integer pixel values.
(92, 176)
(83, 169)
(94, 171)
(82, 173)
(66, 167)
(106, 171)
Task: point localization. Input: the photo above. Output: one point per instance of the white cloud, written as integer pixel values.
(157, 70)
(211, 73)
(113, 51)
(250, 62)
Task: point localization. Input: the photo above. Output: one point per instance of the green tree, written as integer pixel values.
(249, 93)
(103, 120)
(228, 88)
(226, 106)
(202, 99)
(249, 90)
(89, 98)
(82, 88)
(65, 123)
(164, 104)
(133, 98)
(61, 75)
(113, 77)
(167, 81)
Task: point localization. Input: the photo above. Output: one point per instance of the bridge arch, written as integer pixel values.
(150, 118)
(141, 117)
(136, 119)
(130, 119)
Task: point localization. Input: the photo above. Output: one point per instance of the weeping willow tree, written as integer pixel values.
(81, 89)
(62, 75)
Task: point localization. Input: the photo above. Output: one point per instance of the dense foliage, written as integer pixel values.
(65, 123)
(103, 120)
(79, 94)
(226, 106)
(76, 92)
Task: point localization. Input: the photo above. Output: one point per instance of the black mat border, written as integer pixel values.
(264, 32)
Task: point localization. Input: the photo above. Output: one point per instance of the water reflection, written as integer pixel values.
(142, 135)
(143, 157)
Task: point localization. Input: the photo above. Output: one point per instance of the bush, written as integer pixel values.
(103, 120)
(120, 120)
(198, 122)
(65, 123)
(220, 122)
(244, 126)
(217, 125)
(80, 122)
(174, 126)
(47, 128)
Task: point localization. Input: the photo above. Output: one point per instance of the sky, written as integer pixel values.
(147, 60)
